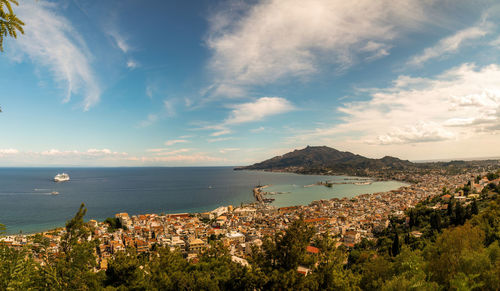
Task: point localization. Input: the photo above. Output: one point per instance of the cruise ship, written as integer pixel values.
(61, 177)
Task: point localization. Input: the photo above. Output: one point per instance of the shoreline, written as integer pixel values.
(248, 204)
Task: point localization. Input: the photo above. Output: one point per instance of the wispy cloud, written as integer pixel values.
(175, 141)
(257, 110)
(211, 140)
(173, 152)
(195, 158)
(169, 107)
(451, 44)
(56, 153)
(221, 132)
(87, 153)
(120, 41)
(150, 120)
(51, 41)
(132, 64)
(8, 152)
(283, 39)
(227, 150)
(150, 89)
(258, 129)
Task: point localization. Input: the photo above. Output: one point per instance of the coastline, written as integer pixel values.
(197, 213)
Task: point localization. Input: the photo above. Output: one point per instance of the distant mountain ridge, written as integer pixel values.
(321, 159)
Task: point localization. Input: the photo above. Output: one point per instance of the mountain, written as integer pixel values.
(322, 159)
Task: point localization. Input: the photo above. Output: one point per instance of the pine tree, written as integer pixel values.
(395, 244)
(436, 221)
(459, 214)
(474, 207)
(450, 209)
(9, 23)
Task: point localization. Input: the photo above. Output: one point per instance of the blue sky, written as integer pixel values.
(186, 83)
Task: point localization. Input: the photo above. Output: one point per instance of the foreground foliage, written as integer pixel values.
(10, 24)
(436, 249)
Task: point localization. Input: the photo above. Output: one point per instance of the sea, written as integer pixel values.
(27, 204)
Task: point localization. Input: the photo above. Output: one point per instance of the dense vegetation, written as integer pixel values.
(440, 245)
(114, 224)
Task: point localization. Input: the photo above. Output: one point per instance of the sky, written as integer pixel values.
(217, 83)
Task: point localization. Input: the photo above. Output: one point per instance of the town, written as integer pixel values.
(348, 220)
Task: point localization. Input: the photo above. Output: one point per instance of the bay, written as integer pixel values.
(27, 205)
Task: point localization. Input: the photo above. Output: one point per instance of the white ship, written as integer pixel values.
(61, 177)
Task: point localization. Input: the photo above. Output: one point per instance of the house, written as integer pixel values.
(235, 236)
(196, 245)
(303, 270)
(352, 237)
(446, 197)
(240, 261)
(312, 250)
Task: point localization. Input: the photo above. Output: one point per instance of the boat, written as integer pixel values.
(54, 193)
(61, 177)
(363, 183)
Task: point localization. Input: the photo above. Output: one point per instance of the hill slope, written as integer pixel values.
(322, 159)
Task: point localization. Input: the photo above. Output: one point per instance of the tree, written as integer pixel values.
(474, 208)
(492, 176)
(459, 214)
(449, 210)
(73, 267)
(435, 221)
(75, 230)
(395, 244)
(125, 271)
(452, 251)
(9, 23)
(291, 247)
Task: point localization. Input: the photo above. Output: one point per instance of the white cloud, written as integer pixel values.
(495, 42)
(211, 140)
(278, 39)
(120, 40)
(157, 150)
(150, 89)
(169, 108)
(175, 141)
(420, 132)
(221, 132)
(258, 129)
(8, 152)
(193, 159)
(258, 110)
(461, 105)
(226, 150)
(132, 64)
(450, 44)
(51, 41)
(150, 120)
(56, 156)
(174, 152)
(188, 102)
(76, 153)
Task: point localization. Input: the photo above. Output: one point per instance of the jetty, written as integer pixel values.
(259, 195)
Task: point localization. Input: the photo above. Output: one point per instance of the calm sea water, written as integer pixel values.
(26, 203)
